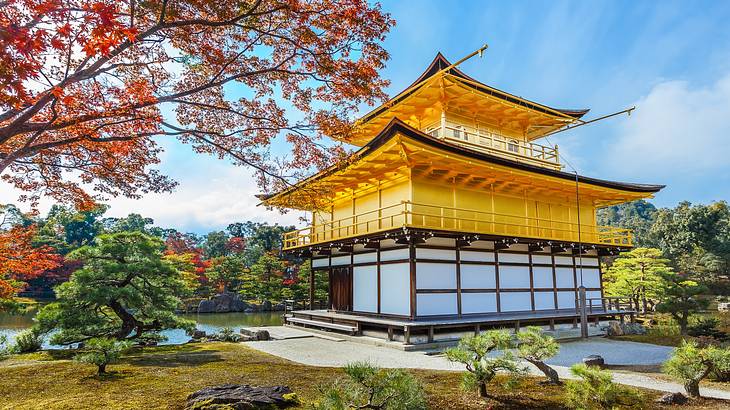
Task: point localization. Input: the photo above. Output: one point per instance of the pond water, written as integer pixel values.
(11, 325)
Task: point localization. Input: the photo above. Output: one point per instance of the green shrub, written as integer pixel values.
(227, 334)
(370, 387)
(595, 389)
(28, 341)
(102, 352)
(706, 327)
(473, 352)
(691, 363)
(4, 349)
(535, 347)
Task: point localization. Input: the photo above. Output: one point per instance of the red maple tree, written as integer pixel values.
(83, 84)
(21, 261)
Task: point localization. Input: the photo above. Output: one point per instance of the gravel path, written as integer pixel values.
(315, 351)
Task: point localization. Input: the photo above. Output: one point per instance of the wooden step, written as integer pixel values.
(317, 323)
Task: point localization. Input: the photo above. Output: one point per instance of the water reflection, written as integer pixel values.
(11, 325)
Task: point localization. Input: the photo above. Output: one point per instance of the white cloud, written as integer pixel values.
(677, 132)
(212, 199)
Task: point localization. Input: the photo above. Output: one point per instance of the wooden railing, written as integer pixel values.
(608, 303)
(489, 142)
(409, 214)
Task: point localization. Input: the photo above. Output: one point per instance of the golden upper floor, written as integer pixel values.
(448, 104)
(406, 178)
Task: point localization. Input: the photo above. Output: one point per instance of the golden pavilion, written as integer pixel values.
(455, 214)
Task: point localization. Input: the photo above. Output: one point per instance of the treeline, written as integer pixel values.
(695, 239)
(245, 258)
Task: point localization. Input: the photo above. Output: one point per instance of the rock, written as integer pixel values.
(672, 398)
(616, 328)
(223, 302)
(206, 306)
(266, 306)
(256, 334)
(279, 307)
(198, 334)
(237, 305)
(594, 360)
(249, 310)
(241, 397)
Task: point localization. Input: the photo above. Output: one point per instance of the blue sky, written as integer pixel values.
(670, 59)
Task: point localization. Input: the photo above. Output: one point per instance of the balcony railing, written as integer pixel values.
(416, 215)
(489, 142)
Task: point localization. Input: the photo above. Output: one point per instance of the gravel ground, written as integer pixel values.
(315, 351)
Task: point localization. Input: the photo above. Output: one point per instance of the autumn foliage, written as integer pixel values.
(83, 85)
(20, 261)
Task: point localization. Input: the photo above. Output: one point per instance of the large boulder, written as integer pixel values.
(672, 399)
(616, 328)
(266, 306)
(594, 360)
(206, 306)
(256, 334)
(238, 305)
(223, 302)
(241, 397)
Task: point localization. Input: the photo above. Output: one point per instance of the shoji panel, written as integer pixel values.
(395, 289)
(365, 288)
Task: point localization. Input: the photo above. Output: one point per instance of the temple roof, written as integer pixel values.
(437, 85)
(621, 191)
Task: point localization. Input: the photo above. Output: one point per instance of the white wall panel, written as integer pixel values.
(514, 258)
(429, 304)
(563, 260)
(476, 256)
(365, 257)
(543, 259)
(478, 277)
(394, 254)
(591, 278)
(444, 254)
(478, 303)
(341, 260)
(515, 301)
(566, 300)
(590, 261)
(395, 289)
(318, 263)
(435, 275)
(544, 300)
(514, 276)
(564, 277)
(542, 276)
(365, 288)
(596, 295)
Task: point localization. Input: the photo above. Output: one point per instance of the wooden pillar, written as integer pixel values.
(412, 257)
(311, 286)
(552, 324)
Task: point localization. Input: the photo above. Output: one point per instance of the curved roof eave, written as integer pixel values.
(440, 62)
(396, 125)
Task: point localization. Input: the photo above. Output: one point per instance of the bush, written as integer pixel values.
(535, 347)
(102, 352)
(691, 363)
(595, 389)
(29, 341)
(370, 387)
(473, 352)
(4, 349)
(706, 327)
(227, 334)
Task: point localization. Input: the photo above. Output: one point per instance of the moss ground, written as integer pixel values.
(162, 377)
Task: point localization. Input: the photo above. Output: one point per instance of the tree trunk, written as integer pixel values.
(102, 369)
(692, 387)
(482, 389)
(549, 372)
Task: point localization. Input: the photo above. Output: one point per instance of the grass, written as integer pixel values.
(162, 377)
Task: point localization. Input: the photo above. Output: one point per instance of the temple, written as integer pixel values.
(455, 214)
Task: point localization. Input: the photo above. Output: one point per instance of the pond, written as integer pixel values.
(11, 325)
